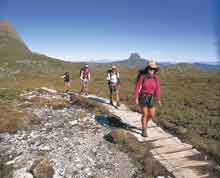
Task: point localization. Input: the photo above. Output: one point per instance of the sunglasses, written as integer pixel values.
(150, 68)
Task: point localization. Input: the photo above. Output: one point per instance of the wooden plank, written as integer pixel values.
(184, 163)
(165, 142)
(189, 173)
(172, 148)
(150, 138)
(185, 173)
(180, 155)
(52, 91)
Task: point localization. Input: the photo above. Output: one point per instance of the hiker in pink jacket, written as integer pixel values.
(147, 92)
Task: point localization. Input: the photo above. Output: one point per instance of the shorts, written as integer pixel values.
(113, 88)
(147, 100)
(66, 83)
(84, 81)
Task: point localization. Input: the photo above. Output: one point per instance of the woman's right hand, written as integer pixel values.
(159, 102)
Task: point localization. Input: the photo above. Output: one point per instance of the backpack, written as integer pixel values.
(85, 72)
(110, 73)
(143, 72)
(140, 73)
(66, 77)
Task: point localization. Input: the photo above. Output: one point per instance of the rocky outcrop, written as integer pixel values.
(135, 56)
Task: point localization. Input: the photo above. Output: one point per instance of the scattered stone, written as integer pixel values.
(22, 173)
(75, 122)
(42, 169)
(49, 90)
(44, 148)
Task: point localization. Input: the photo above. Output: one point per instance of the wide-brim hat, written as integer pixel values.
(114, 67)
(86, 65)
(152, 64)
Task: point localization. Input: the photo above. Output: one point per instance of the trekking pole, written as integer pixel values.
(158, 122)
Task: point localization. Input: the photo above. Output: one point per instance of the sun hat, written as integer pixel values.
(114, 67)
(152, 64)
(86, 65)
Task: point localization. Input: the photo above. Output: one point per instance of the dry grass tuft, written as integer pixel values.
(11, 119)
(42, 169)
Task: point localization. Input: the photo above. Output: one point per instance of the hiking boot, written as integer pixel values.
(144, 132)
(111, 103)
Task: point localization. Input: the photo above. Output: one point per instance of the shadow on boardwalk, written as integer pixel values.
(113, 122)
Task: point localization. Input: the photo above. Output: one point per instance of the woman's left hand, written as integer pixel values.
(159, 102)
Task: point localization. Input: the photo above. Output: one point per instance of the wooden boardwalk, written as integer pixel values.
(178, 158)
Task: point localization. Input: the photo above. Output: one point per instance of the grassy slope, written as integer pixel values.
(191, 105)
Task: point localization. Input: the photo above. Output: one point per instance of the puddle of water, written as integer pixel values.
(103, 120)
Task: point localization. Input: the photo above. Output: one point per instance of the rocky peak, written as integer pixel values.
(9, 33)
(134, 56)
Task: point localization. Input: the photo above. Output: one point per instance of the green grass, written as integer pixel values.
(8, 93)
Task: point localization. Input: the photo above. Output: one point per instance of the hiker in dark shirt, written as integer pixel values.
(66, 78)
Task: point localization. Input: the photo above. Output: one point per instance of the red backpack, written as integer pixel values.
(86, 73)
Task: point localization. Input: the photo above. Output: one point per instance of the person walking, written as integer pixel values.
(147, 92)
(113, 84)
(84, 79)
(66, 78)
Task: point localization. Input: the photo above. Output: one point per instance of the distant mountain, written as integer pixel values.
(208, 66)
(134, 61)
(134, 56)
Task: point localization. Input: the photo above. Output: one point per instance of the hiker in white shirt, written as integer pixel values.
(113, 84)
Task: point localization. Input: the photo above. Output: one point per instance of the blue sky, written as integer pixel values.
(169, 30)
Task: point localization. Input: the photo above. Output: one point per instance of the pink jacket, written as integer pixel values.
(151, 85)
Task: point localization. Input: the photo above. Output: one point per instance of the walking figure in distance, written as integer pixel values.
(66, 78)
(147, 92)
(113, 84)
(84, 79)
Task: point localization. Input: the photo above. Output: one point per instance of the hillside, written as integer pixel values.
(10, 39)
(19, 65)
